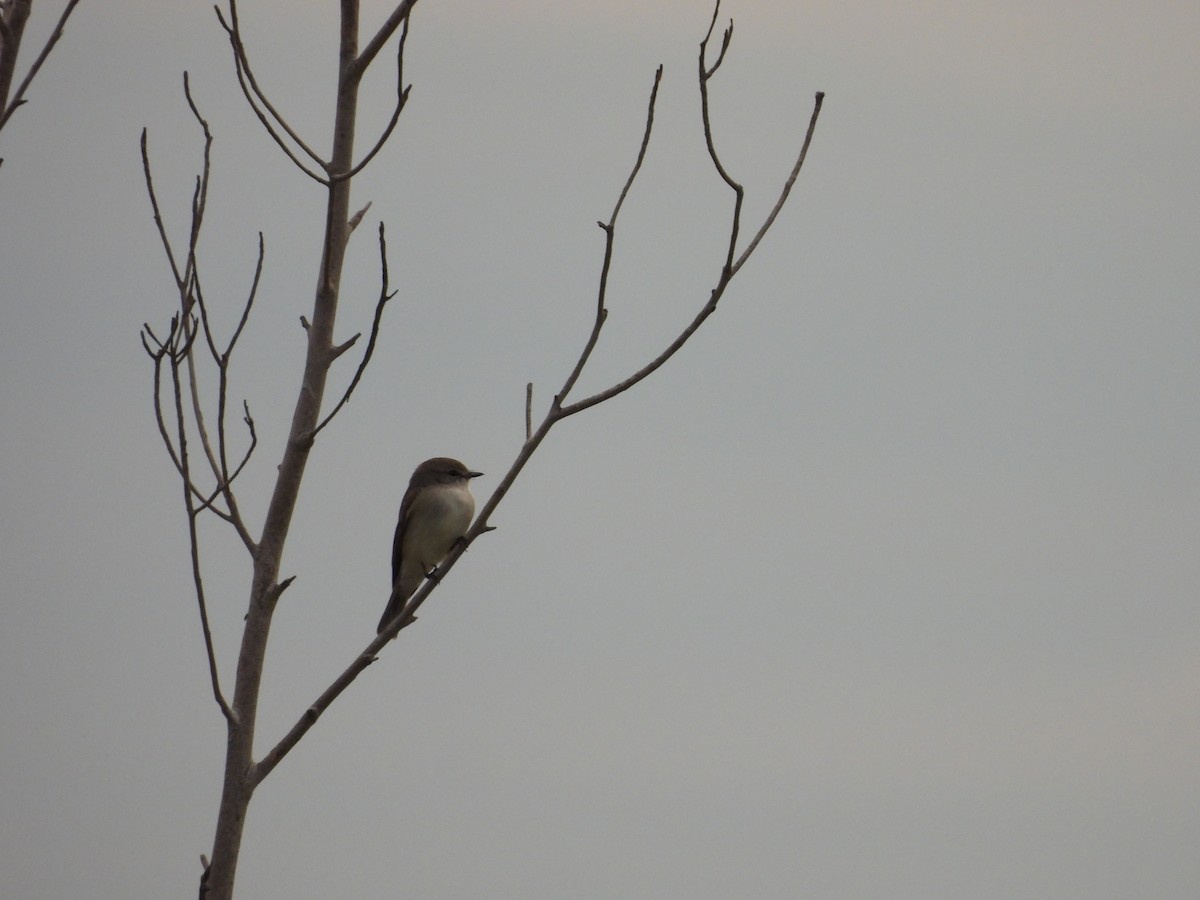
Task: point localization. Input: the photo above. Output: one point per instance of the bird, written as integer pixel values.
(435, 513)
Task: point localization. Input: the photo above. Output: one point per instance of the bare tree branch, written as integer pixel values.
(193, 535)
(224, 487)
(164, 348)
(176, 349)
(609, 229)
(158, 219)
(191, 300)
(730, 268)
(529, 410)
(223, 366)
(704, 75)
(259, 103)
(787, 187)
(357, 218)
(401, 99)
(191, 294)
(12, 27)
(199, 195)
(399, 14)
(384, 297)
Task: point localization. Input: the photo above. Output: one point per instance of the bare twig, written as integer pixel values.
(222, 393)
(609, 229)
(12, 25)
(730, 269)
(224, 487)
(787, 187)
(401, 99)
(358, 216)
(191, 295)
(386, 30)
(528, 411)
(200, 195)
(193, 535)
(164, 349)
(384, 297)
(237, 332)
(191, 300)
(261, 106)
(158, 219)
(704, 76)
(275, 755)
(225, 479)
(177, 350)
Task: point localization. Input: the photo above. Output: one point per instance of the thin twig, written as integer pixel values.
(401, 100)
(787, 187)
(158, 356)
(730, 268)
(357, 218)
(704, 76)
(194, 538)
(224, 487)
(158, 219)
(384, 297)
(200, 195)
(399, 14)
(192, 297)
(223, 372)
(609, 229)
(18, 99)
(255, 97)
(528, 411)
(226, 479)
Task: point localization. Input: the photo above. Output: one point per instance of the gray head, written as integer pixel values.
(441, 470)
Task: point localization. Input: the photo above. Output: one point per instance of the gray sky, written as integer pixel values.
(886, 587)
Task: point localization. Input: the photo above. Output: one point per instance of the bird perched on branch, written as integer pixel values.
(435, 513)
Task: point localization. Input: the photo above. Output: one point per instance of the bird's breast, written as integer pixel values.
(441, 517)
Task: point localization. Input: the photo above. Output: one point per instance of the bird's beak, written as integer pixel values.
(474, 474)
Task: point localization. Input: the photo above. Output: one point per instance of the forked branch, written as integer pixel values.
(401, 99)
(174, 356)
(384, 297)
(262, 107)
(13, 16)
(281, 132)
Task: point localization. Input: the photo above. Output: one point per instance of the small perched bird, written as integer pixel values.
(436, 511)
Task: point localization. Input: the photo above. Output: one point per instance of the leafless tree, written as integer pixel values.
(14, 14)
(208, 474)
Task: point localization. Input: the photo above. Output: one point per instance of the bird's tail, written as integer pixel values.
(394, 608)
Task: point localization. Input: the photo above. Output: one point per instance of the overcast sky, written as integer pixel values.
(885, 587)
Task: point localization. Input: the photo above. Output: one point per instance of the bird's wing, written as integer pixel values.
(398, 541)
(395, 601)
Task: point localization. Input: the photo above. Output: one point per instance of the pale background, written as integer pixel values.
(886, 587)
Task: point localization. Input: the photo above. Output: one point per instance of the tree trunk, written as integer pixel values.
(240, 768)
